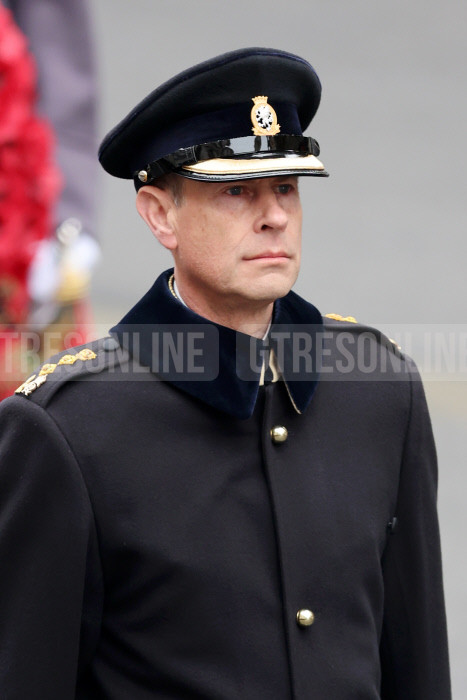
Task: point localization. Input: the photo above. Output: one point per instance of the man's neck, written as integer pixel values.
(254, 320)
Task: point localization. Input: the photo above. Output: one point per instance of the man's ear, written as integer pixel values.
(156, 207)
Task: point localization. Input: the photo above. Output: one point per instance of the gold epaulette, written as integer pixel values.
(338, 317)
(36, 380)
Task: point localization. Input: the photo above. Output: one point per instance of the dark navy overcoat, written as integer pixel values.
(160, 530)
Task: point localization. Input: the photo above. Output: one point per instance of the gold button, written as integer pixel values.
(305, 617)
(279, 433)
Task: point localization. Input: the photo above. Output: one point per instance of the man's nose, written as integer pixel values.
(271, 214)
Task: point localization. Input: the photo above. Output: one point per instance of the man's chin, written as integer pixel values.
(269, 293)
(272, 287)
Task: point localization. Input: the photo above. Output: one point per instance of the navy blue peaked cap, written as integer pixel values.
(238, 115)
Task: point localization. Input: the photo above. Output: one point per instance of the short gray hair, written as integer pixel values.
(173, 183)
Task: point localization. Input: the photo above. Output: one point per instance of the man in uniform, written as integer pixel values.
(229, 497)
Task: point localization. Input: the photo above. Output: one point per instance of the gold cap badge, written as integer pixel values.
(263, 117)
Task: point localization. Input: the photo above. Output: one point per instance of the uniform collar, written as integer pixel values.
(218, 365)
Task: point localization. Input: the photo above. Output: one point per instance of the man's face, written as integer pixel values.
(238, 242)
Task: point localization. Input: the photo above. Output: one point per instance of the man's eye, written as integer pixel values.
(284, 189)
(235, 191)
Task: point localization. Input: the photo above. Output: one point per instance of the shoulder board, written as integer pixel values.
(361, 328)
(70, 365)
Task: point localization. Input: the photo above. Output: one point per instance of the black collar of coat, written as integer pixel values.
(218, 365)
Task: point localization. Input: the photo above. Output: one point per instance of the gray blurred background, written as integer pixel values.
(384, 236)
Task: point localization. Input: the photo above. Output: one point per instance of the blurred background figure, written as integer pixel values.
(48, 172)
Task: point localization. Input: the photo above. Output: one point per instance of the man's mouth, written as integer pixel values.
(268, 255)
